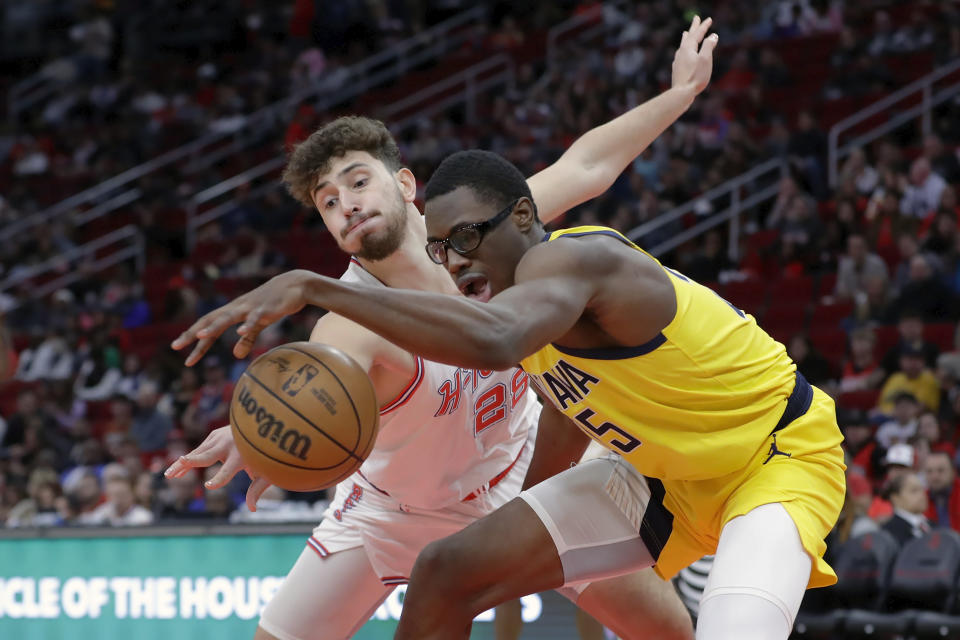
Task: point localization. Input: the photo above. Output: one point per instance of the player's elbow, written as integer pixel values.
(501, 350)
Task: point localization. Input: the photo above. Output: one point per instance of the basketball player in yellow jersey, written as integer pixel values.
(742, 455)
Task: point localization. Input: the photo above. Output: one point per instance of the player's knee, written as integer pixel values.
(436, 566)
(740, 616)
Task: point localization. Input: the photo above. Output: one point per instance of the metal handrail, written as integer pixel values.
(731, 188)
(568, 25)
(194, 220)
(362, 76)
(467, 77)
(135, 248)
(835, 152)
(471, 88)
(575, 22)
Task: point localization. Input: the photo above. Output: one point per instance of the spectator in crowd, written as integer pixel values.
(809, 145)
(183, 390)
(921, 195)
(910, 331)
(853, 520)
(99, 374)
(909, 499)
(862, 453)
(942, 161)
(913, 36)
(711, 261)
(82, 495)
(948, 363)
(150, 427)
(926, 292)
(51, 359)
(209, 406)
(899, 460)
(944, 491)
(814, 367)
(902, 425)
(39, 509)
(856, 168)
(132, 376)
(856, 266)
(942, 237)
(862, 370)
(28, 412)
(882, 40)
(120, 508)
(121, 416)
(180, 499)
(908, 246)
(913, 378)
(928, 428)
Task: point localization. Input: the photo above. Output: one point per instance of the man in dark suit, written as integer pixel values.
(908, 495)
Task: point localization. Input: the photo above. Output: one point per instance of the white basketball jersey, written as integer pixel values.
(450, 432)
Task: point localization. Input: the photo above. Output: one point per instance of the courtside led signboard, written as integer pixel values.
(158, 587)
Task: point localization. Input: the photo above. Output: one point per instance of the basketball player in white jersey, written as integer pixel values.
(454, 444)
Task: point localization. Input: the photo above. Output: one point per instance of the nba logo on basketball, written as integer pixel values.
(298, 381)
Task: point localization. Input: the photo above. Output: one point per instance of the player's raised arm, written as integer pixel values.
(592, 163)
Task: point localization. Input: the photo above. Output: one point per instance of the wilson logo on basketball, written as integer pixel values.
(289, 440)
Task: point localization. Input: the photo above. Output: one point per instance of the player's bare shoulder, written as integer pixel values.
(587, 256)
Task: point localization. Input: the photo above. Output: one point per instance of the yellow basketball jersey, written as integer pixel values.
(695, 402)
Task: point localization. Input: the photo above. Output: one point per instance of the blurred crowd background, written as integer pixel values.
(860, 278)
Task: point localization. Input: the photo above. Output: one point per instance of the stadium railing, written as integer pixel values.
(463, 88)
(371, 72)
(916, 100)
(125, 243)
(749, 189)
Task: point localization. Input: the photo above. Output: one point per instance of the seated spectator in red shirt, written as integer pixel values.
(862, 370)
(943, 487)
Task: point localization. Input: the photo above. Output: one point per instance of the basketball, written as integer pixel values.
(304, 416)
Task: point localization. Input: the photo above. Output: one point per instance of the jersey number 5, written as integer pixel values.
(626, 445)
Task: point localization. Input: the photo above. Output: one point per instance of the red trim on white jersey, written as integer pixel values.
(314, 544)
(394, 580)
(405, 395)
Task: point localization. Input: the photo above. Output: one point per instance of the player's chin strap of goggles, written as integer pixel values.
(490, 484)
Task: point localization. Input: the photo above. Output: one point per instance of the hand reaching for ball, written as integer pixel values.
(219, 447)
(281, 296)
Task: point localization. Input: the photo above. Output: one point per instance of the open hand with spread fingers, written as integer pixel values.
(693, 62)
(281, 296)
(219, 446)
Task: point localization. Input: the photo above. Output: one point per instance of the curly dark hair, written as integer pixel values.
(311, 158)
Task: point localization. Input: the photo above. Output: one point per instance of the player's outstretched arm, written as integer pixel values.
(551, 293)
(592, 163)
